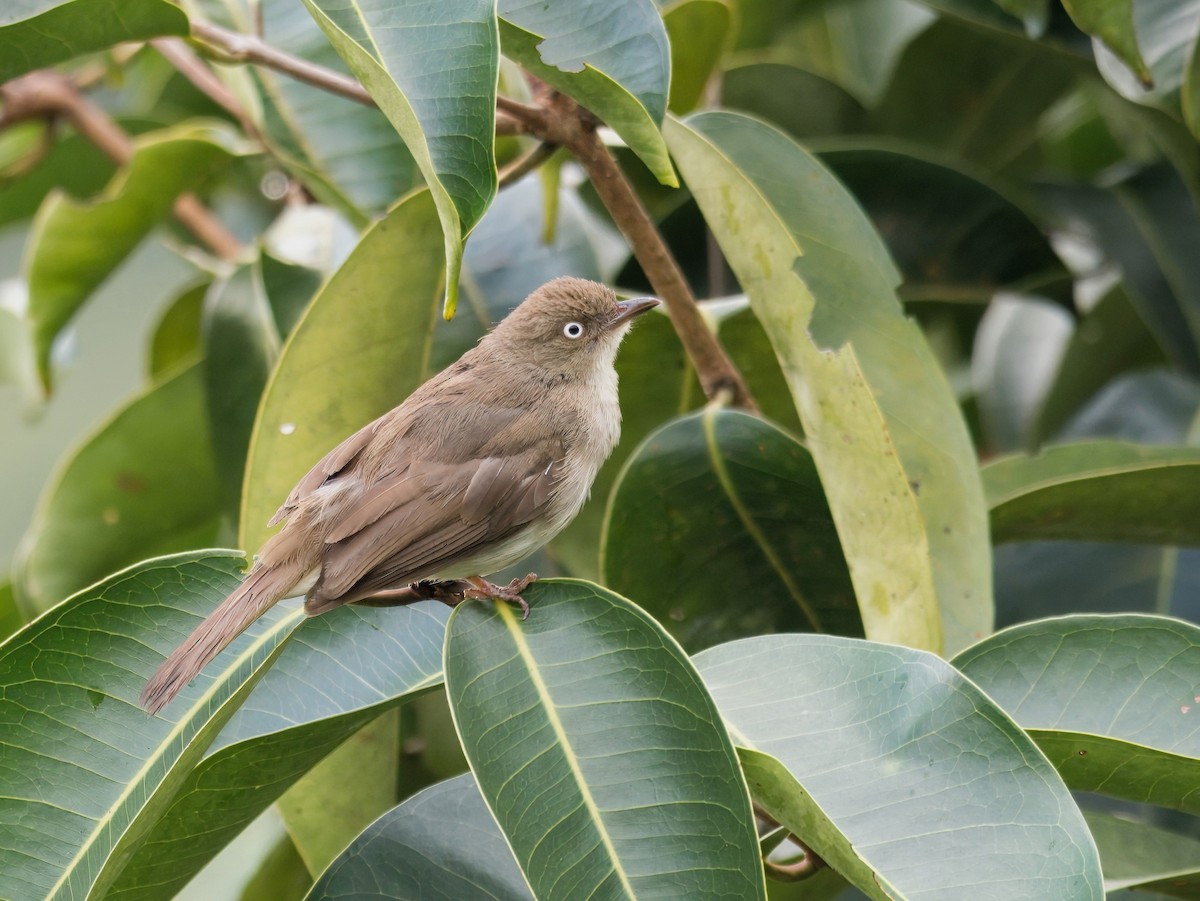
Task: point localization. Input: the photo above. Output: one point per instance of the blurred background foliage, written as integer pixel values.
(1031, 166)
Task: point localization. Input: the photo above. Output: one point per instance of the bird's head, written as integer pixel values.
(570, 326)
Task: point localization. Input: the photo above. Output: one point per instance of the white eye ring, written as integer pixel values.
(572, 330)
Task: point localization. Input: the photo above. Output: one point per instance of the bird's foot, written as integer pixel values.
(481, 590)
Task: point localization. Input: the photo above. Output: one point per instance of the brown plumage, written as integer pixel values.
(479, 467)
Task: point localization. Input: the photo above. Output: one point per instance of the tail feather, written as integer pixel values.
(262, 588)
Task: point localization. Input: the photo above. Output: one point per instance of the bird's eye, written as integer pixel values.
(572, 329)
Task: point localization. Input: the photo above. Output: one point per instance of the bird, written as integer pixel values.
(478, 468)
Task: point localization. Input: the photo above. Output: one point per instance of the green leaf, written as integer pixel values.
(699, 31)
(880, 420)
(1164, 31)
(11, 618)
(359, 350)
(240, 347)
(343, 794)
(176, 336)
(1111, 21)
(955, 237)
(1139, 856)
(86, 773)
(857, 45)
(1110, 339)
(1033, 13)
(347, 153)
(432, 69)
(651, 804)
(414, 852)
(886, 758)
(613, 56)
(717, 501)
(1126, 726)
(339, 672)
(38, 33)
(142, 484)
(74, 246)
(1147, 224)
(801, 103)
(1097, 491)
(73, 164)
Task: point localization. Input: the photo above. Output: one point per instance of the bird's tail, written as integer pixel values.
(262, 587)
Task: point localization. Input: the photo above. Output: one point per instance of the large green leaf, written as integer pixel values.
(883, 759)
(715, 502)
(699, 31)
(348, 153)
(612, 56)
(1164, 31)
(1111, 21)
(74, 246)
(1098, 491)
(432, 68)
(39, 33)
(176, 336)
(359, 350)
(84, 773)
(652, 803)
(801, 103)
(143, 484)
(955, 237)
(414, 852)
(1136, 855)
(1111, 700)
(339, 671)
(881, 422)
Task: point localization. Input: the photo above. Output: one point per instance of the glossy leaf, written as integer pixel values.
(651, 804)
(1164, 31)
(1109, 340)
(857, 45)
(414, 852)
(39, 33)
(881, 423)
(1111, 700)
(699, 31)
(347, 153)
(713, 505)
(801, 103)
(359, 350)
(613, 56)
(338, 673)
(84, 773)
(881, 757)
(1111, 21)
(954, 237)
(432, 68)
(1097, 490)
(75, 246)
(142, 484)
(1139, 856)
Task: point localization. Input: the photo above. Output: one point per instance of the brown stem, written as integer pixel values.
(45, 94)
(237, 47)
(523, 165)
(562, 121)
(181, 56)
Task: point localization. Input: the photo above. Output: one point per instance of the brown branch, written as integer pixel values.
(562, 121)
(523, 165)
(49, 95)
(237, 47)
(181, 56)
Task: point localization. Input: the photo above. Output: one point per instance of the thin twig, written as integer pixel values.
(47, 95)
(237, 47)
(523, 165)
(562, 121)
(181, 56)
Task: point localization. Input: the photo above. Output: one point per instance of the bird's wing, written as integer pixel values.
(420, 521)
(328, 467)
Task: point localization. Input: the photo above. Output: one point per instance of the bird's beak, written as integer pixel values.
(635, 306)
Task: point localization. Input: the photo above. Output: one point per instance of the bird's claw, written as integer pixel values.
(482, 590)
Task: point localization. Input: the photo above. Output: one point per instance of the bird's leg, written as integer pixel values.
(481, 590)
